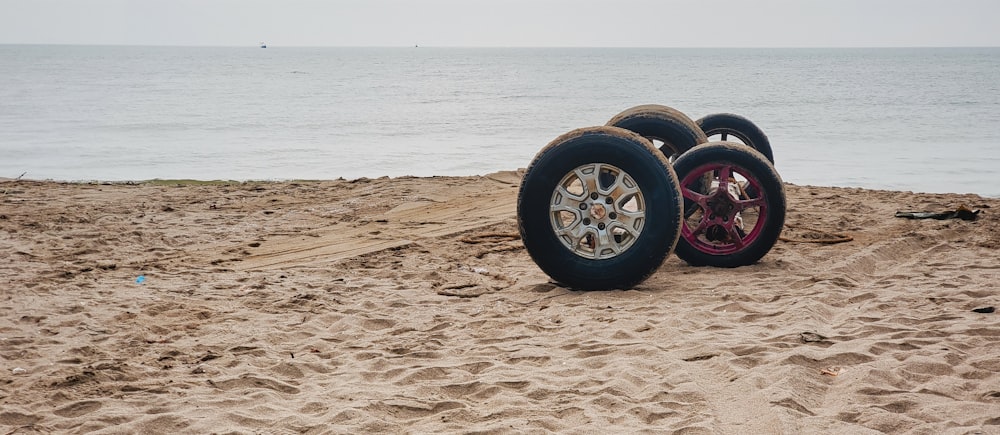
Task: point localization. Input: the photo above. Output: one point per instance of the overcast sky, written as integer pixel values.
(468, 23)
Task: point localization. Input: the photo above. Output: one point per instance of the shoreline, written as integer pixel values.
(185, 182)
(408, 304)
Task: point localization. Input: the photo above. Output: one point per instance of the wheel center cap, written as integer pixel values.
(597, 211)
(722, 204)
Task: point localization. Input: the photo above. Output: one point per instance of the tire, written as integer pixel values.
(661, 123)
(729, 224)
(612, 234)
(726, 124)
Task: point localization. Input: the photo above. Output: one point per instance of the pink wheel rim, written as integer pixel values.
(729, 215)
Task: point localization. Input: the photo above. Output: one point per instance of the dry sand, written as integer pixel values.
(410, 306)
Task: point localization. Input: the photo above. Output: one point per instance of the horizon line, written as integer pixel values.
(269, 45)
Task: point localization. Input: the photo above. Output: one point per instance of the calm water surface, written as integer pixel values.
(907, 119)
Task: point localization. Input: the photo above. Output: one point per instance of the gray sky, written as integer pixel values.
(588, 23)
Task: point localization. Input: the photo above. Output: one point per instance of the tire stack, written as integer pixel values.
(602, 207)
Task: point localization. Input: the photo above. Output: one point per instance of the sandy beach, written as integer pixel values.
(408, 305)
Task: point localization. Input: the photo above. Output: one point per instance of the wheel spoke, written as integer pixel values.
(575, 232)
(629, 220)
(725, 173)
(555, 208)
(631, 231)
(564, 200)
(701, 200)
(734, 235)
(577, 199)
(725, 136)
(610, 186)
(589, 181)
(703, 225)
(605, 241)
(749, 203)
(559, 214)
(620, 189)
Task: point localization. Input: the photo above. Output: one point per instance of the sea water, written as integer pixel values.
(906, 119)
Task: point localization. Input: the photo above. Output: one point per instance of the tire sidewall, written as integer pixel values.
(678, 132)
(661, 197)
(756, 163)
(738, 126)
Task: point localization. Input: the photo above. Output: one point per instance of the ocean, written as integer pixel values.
(917, 119)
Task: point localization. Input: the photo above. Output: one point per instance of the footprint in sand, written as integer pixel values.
(411, 409)
(79, 408)
(469, 282)
(16, 419)
(252, 382)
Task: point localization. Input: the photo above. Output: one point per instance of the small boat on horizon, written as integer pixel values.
(263, 45)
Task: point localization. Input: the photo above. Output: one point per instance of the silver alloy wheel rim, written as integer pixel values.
(597, 211)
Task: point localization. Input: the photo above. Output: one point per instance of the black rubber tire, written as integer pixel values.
(656, 122)
(741, 127)
(652, 175)
(772, 189)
